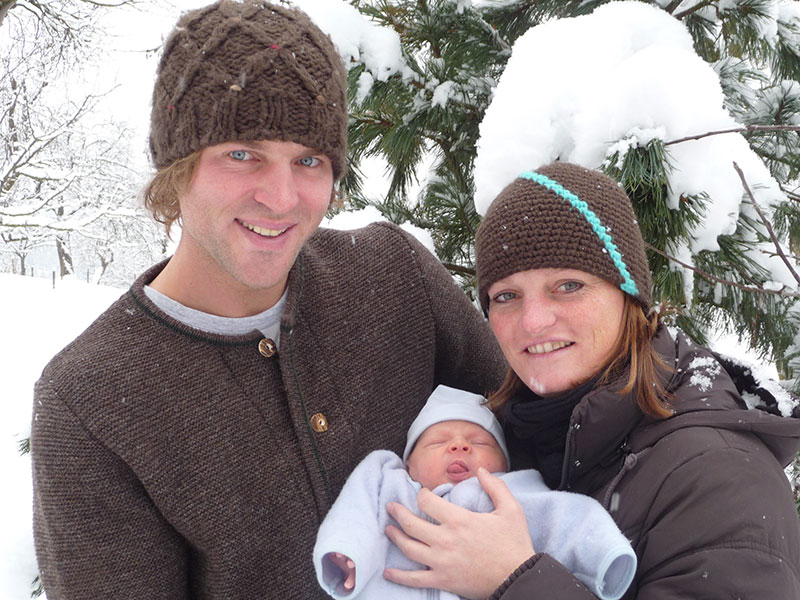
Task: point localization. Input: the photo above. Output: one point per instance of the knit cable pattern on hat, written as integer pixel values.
(248, 70)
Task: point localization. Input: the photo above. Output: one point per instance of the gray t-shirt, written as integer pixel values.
(267, 322)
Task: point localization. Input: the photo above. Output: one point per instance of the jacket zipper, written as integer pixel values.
(565, 466)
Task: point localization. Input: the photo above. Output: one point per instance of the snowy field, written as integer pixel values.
(37, 321)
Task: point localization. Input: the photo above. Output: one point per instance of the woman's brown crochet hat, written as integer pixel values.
(565, 217)
(248, 70)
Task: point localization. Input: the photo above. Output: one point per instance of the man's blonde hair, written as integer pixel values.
(162, 193)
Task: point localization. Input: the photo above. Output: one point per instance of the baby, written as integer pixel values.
(454, 435)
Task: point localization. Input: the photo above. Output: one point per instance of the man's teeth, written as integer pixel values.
(547, 347)
(263, 230)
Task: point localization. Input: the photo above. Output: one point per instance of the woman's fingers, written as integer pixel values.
(413, 548)
(411, 539)
(439, 509)
(416, 527)
(417, 579)
(504, 502)
(467, 553)
(496, 488)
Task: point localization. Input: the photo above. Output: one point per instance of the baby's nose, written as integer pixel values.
(459, 445)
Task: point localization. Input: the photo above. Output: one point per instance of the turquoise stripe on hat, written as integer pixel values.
(628, 285)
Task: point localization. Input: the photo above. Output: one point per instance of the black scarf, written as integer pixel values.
(538, 427)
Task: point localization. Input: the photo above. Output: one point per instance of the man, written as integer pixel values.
(189, 442)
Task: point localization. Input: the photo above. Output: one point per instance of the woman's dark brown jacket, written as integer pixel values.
(170, 463)
(702, 495)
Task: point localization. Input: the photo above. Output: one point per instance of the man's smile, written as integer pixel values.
(262, 231)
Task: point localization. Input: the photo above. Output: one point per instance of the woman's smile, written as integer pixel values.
(547, 347)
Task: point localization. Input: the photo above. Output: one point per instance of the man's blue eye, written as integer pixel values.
(309, 161)
(240, 155)
(571, 286)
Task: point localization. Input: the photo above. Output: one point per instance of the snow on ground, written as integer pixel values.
(37, 321)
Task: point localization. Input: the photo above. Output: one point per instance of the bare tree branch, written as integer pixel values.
(39, 144)
(109, 4)
(766, 222)
(78, 227)
(791, 194)
(461, 270)
(774, 254)
(693, 9)
(710, 277)
(56, 193)
(745, 129)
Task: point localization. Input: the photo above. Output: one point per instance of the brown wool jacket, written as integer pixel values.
(170, 463)
(702, 495)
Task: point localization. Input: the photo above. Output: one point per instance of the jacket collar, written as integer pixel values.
(597, 439)
(602, 422)
(709, 390)
(294, 294)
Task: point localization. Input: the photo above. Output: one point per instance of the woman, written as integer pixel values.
(606, 402)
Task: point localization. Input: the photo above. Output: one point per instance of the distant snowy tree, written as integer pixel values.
(67, 22)
(65, 175)
(425, 114)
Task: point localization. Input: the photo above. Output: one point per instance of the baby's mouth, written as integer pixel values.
(458, 471)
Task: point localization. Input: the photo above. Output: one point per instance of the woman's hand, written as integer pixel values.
(469, 554)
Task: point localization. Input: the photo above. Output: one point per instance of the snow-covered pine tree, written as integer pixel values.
(433, 109)
(423, 120)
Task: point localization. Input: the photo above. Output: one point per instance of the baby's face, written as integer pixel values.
(452, 451)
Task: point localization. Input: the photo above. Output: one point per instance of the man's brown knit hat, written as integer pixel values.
(242, 70)
(565, 217)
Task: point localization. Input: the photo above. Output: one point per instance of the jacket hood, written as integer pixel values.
(713, 390)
